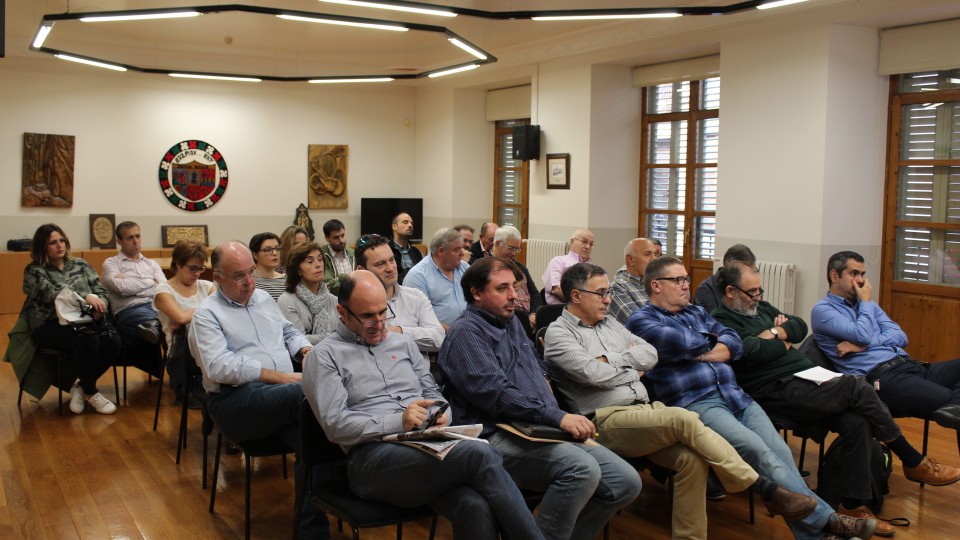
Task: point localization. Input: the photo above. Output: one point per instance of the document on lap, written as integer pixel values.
(438, 441)
(817, 374)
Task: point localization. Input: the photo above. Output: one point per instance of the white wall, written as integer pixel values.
(125, 122)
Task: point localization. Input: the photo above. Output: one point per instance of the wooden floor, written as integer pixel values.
(95, 476)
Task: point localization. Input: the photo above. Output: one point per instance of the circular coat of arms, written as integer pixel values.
(193, 175)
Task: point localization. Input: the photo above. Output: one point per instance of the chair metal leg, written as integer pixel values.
(163, 367)
(203, 481)
(284, 458)
(753, 517)
(246, 513)
(124, 384)
(216, 471)
(926, 437)
(399, 531)
(433, 526)
(116, 385)
(606, 531)
(182, 432)
(59, 390)
(299, 497)
(356, 532)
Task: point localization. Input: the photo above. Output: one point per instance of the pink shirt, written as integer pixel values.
(555, 269)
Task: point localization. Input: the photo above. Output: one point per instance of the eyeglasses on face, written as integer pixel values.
(586, 242)
(678, 280)
(512, 249)
(239, 278)
(604, 294)
(271, 250)
(371, 321)
(193, 269)
(753, 295)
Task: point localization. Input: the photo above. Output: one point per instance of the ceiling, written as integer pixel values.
(245, 43)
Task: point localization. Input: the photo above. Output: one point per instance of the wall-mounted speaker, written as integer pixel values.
(526, 142)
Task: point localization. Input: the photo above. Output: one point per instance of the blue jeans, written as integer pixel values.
(127, 320)
(583, 486)
(760, 445)
(469, 487)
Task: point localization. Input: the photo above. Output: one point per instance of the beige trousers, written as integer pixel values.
(675, 438)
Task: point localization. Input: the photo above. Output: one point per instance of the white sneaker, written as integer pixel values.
(76, 398)
(101, 404)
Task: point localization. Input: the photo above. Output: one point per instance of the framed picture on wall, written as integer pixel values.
(174, 233)
(102, 231)
(558, 171)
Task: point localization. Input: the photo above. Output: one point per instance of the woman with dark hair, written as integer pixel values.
(266, 253)
(291, 236)
(50, 271)
(176, 299)
(307, 303)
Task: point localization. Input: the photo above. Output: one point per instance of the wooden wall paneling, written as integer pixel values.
(929, 323)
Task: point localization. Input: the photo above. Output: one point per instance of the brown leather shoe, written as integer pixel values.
(849, 527)
(933, 473)
(883, 528)
(789, 504)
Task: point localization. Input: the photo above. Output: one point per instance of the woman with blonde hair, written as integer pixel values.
(291, 236)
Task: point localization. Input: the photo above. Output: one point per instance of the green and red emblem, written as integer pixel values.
(193, 175)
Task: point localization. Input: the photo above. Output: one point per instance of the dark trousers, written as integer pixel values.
(92, 353)
(127, 320)
(848, 406)
(913, 389)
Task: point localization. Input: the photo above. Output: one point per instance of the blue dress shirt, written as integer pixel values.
(835, 319)
(445, 295)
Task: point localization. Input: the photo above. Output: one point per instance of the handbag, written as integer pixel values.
(72, 308)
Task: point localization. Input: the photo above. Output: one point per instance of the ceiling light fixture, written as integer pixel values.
(140, 16)
(467, 48)
(325, 20)
(42, 34)
(598, 17)
(779, 3)
(80, 60)
(396, 7)
(451, 71)
(355, 80)
(214, 77)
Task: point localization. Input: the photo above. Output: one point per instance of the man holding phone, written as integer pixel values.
(363, 383)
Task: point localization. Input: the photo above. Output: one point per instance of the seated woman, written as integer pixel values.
(307, 303)
(176, 299)
(290, 237)
(266, 253)
(53, 269)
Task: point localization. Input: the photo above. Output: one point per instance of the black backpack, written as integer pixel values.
(831, 478)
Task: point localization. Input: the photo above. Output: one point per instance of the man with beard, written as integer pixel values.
(405, 253)
(847, 405)
(338, 259)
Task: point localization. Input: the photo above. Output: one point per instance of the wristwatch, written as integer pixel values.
(775, 332)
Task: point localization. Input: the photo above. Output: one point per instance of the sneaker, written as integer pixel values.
(791, 505)
(933, 473)
(851, 527)
(76, 399)
(101, 404)
(883, 528)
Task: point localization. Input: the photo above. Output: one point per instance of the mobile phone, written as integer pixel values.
(432, 419)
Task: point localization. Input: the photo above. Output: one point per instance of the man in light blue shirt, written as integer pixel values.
(244, 346)
(438, 276)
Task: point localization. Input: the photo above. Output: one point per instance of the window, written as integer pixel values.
(678, 169)
(924, 173)
(511, 180)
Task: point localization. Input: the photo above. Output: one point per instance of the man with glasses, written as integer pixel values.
(244, 346)
(506, 245)
(484, 245)
(406, 254)
(694, 372)
(598, 366)
(438, 275)
(413, 313)
(627, 288)
(709, 295)
(581, 247)
(494, 376)
(338, 259)
(847, 405)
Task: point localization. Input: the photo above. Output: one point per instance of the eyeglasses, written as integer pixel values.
(604, 294)
(512, 249)
(193, 269)
(369, 321)
(753, 296)
(586, 242)
(369, 239)
(680, 281)
(271, 250)
(241, 277)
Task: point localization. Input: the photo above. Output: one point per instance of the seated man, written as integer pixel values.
(598, 365)
(131, 281)
(243, 344)
(467, 232)
(581, 246)
(483, 247)
(709, 295)
(847, 405)
(413, 314)
(337, 257)
(693, 372)
(860, 339)
(364, 382)
(507, 242)
(494, 376)
(438, 275)
(406, 254)
(627, 289)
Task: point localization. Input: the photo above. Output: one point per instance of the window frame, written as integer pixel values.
(524, 175)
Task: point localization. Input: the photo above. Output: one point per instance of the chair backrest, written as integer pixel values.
(548, 313)
(812, 351)
(315, 448)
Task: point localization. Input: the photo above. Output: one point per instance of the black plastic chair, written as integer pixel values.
(143, 356)
(333, 495)
(548, 313)
(192, 373)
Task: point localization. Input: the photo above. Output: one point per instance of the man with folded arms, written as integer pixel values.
(860, 339)
(131, 281)
(627, 288)
(244, 346)
(363, 383)
(693, 372)
(494, 376)
(847, 405)
(598, 365)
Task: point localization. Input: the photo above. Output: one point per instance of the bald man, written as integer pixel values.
(627, 287)
(581, 247)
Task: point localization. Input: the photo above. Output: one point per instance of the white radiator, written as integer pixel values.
(539, 253)
(779, 282)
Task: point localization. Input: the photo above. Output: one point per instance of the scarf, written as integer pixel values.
(322, 308)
